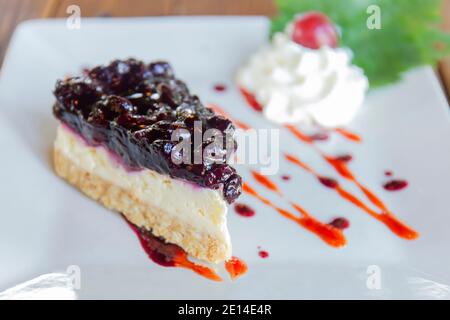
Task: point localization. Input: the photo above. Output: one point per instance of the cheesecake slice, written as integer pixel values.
(115, 142)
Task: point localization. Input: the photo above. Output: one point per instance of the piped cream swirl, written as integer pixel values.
(295, 84)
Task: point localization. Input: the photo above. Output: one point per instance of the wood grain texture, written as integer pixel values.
(13, 12)
(127, 8)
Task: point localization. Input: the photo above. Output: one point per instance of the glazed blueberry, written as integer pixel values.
(97, 116)
(77, 94)
(133, 109)
(119, 76)
(220, 123)
(160, 69)
(134, 122)
(119, 105)
(233, 188)
(218, 175)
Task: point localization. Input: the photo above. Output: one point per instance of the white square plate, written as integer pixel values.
(46, 225)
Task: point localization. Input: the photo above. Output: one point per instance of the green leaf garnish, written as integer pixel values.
(409, 34)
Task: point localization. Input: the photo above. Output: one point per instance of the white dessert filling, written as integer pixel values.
(295, 84)
(200, 207)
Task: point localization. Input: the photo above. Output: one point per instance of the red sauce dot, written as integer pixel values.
(340, 223)
(345, 158)
(321, 136)
(395, 185)
(286, 177)
(235, 267)
(388, 173)
(244, 210)
(263, 254)
(329, 182)
(220, 87)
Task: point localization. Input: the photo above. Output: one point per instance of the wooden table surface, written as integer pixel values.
(13, 12)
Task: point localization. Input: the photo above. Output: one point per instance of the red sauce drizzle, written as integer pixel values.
(395, 185)
(265, 181)
(396, 226)
(341, 167)
(286, 177)
(251, 100)
(329, 234)
(332, 236)
(235, 267)
(169, 255)
(299, 135)
(244, 210)
(344, 171)
(348, 135)
(220, 87)
(223, 113)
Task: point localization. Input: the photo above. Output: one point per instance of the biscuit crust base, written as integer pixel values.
(202, 246)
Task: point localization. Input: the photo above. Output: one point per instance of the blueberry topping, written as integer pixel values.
(133, 109)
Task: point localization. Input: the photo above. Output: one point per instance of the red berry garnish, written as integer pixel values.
(314, 30)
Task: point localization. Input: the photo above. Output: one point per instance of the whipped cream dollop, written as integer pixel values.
(295, 84)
